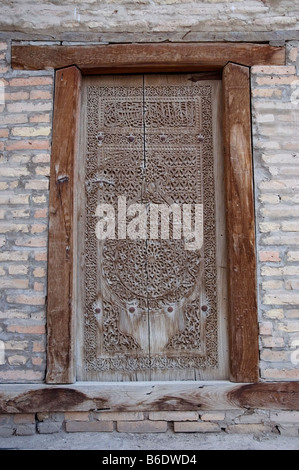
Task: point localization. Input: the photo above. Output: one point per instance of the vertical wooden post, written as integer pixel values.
(60, 321)
(243, 325)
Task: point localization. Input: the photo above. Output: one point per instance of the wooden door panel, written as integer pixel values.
(152, 307)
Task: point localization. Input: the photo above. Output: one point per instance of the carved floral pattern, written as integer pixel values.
(150, 144)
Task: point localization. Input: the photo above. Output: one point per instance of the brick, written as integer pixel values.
(25, 429)
(274, 356)
(20, 213)
(38, 286)
(205, 427)
(292, 284)
(293, 53)
(266, 328)
(49, 427)
(31, 81)
(40, 118)
(76, 416)
(41, 256)
(14, 283)
(27, 329)
(41, 213)
(23, 418)
(282, 239)
(30, 131)
(4, 133)
(285, 417)
(14, 199)
(16, 345)
(38, 228)
(39, 272)
(13, 256)
(32, 242)
(266, 92)
(13, 172)
(274, 69)
(38, 346)
(273, 342)
(273, 284)
(281, 374)
(119, 416)
(17, 96)
(141, 426)
(26, 299)
(14, 313)
(42, 171)
(212, 416)
(93, 426)
(39, 185)
(6, 431)
(290, 226)
(279, 212)
(268, 226)
(288, 430)
(4, 69)
(294, 313)
(280, 271)
(21, 375)
(28, 106)
(37, 361)
(276, 80)
(37, 144)
(39, 199)
(173, 416)
(41, 158)
(289, 326)
(248, 428)
(6, 119)
(281, 298)
(10, 227)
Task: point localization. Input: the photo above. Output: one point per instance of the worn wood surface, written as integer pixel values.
(146, 396)
(60, 320)
(145, 57)
(243, 326)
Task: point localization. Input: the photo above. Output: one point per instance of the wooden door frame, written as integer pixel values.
(71, 62)
(242, 305)
(242, 308)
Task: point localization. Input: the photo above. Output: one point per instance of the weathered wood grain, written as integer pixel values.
(145, 396)
(60, 319)
(243, 326)
(145, 57)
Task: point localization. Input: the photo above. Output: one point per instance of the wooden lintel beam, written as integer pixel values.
(145, 57)
(146, 396)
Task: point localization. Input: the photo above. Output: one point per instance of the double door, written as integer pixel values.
(151, 230)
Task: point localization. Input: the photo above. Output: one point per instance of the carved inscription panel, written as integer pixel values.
(151, 230)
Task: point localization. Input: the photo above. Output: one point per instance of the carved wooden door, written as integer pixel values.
(152, 292)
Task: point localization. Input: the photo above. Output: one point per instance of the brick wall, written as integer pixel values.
(275, 115)
(257, 422)
(179, 18)
(25, 140)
